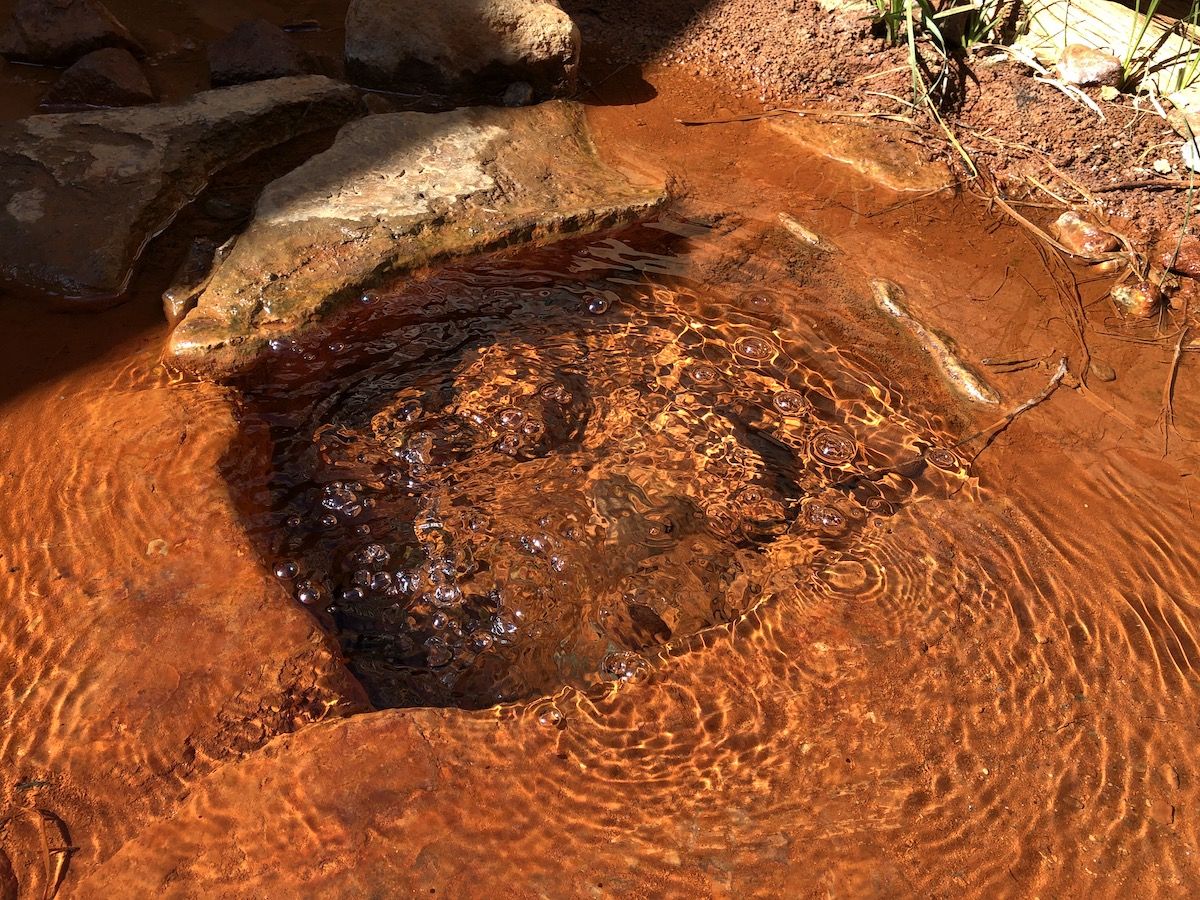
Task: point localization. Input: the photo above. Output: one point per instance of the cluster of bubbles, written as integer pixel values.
(548, 495)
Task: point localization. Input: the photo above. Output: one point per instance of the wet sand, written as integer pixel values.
(994, 695)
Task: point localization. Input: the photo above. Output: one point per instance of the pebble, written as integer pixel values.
(1084, 66)
(255, 51)
(1162, 167)
(1081, 236)
(108, 77)
(1142, 299)
(519, 93)
(1185, 261)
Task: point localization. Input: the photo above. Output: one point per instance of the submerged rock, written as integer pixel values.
(1182, 256)
(1081, 236)
(108, 77)
(1143, 299)
(393, 193)
(1083, 65)
(82, 193)
(255, 51)
(58, 32)
(462, 48)
(894, 164)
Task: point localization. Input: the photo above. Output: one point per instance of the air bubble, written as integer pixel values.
(308, 596)
(754, 348)
(551, 717)
(624, 666)
(287, 569)
(789, 403)
(375, 555)
(597, 306)
(509, 443)
(511, 417)
(556, 393)
(447, 594)
(703, 373)
(833, 447)
(943, 459)
(438, 654)
(825, 517)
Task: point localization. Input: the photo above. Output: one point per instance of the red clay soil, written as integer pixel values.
(799, 53)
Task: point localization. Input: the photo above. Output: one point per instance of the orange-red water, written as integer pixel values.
(740, 670)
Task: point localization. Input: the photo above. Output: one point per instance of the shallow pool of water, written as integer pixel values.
(528, 472)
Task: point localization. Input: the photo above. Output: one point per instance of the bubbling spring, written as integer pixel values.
(542, 469)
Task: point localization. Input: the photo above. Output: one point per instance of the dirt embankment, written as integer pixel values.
(1018, 129)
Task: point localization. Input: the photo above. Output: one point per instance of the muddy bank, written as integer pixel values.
(807, 53)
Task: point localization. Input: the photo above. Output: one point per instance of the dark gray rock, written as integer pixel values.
(393, 193)
(255, 51)
(465, 49)
(108, 77)
(82, 193)
(519, 93)
(58, 32)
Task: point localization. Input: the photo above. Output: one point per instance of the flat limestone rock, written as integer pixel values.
(393, 193)
(895, 165)
(82, 193)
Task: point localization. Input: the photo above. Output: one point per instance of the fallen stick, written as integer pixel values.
(816, 113)
(1152, 184)
(992, 431)
(997, 427)
(1168, 411)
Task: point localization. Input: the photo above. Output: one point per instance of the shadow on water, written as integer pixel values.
(541, 468)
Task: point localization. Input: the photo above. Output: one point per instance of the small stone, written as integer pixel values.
(1082, 236)
(1102, 371)
(379, 104)
(255, 51)
(1142, 299)
(519, 93)
(1182, 256)
(1109, 93)
(1162, 167)
(1082, 65)
(108, 77)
